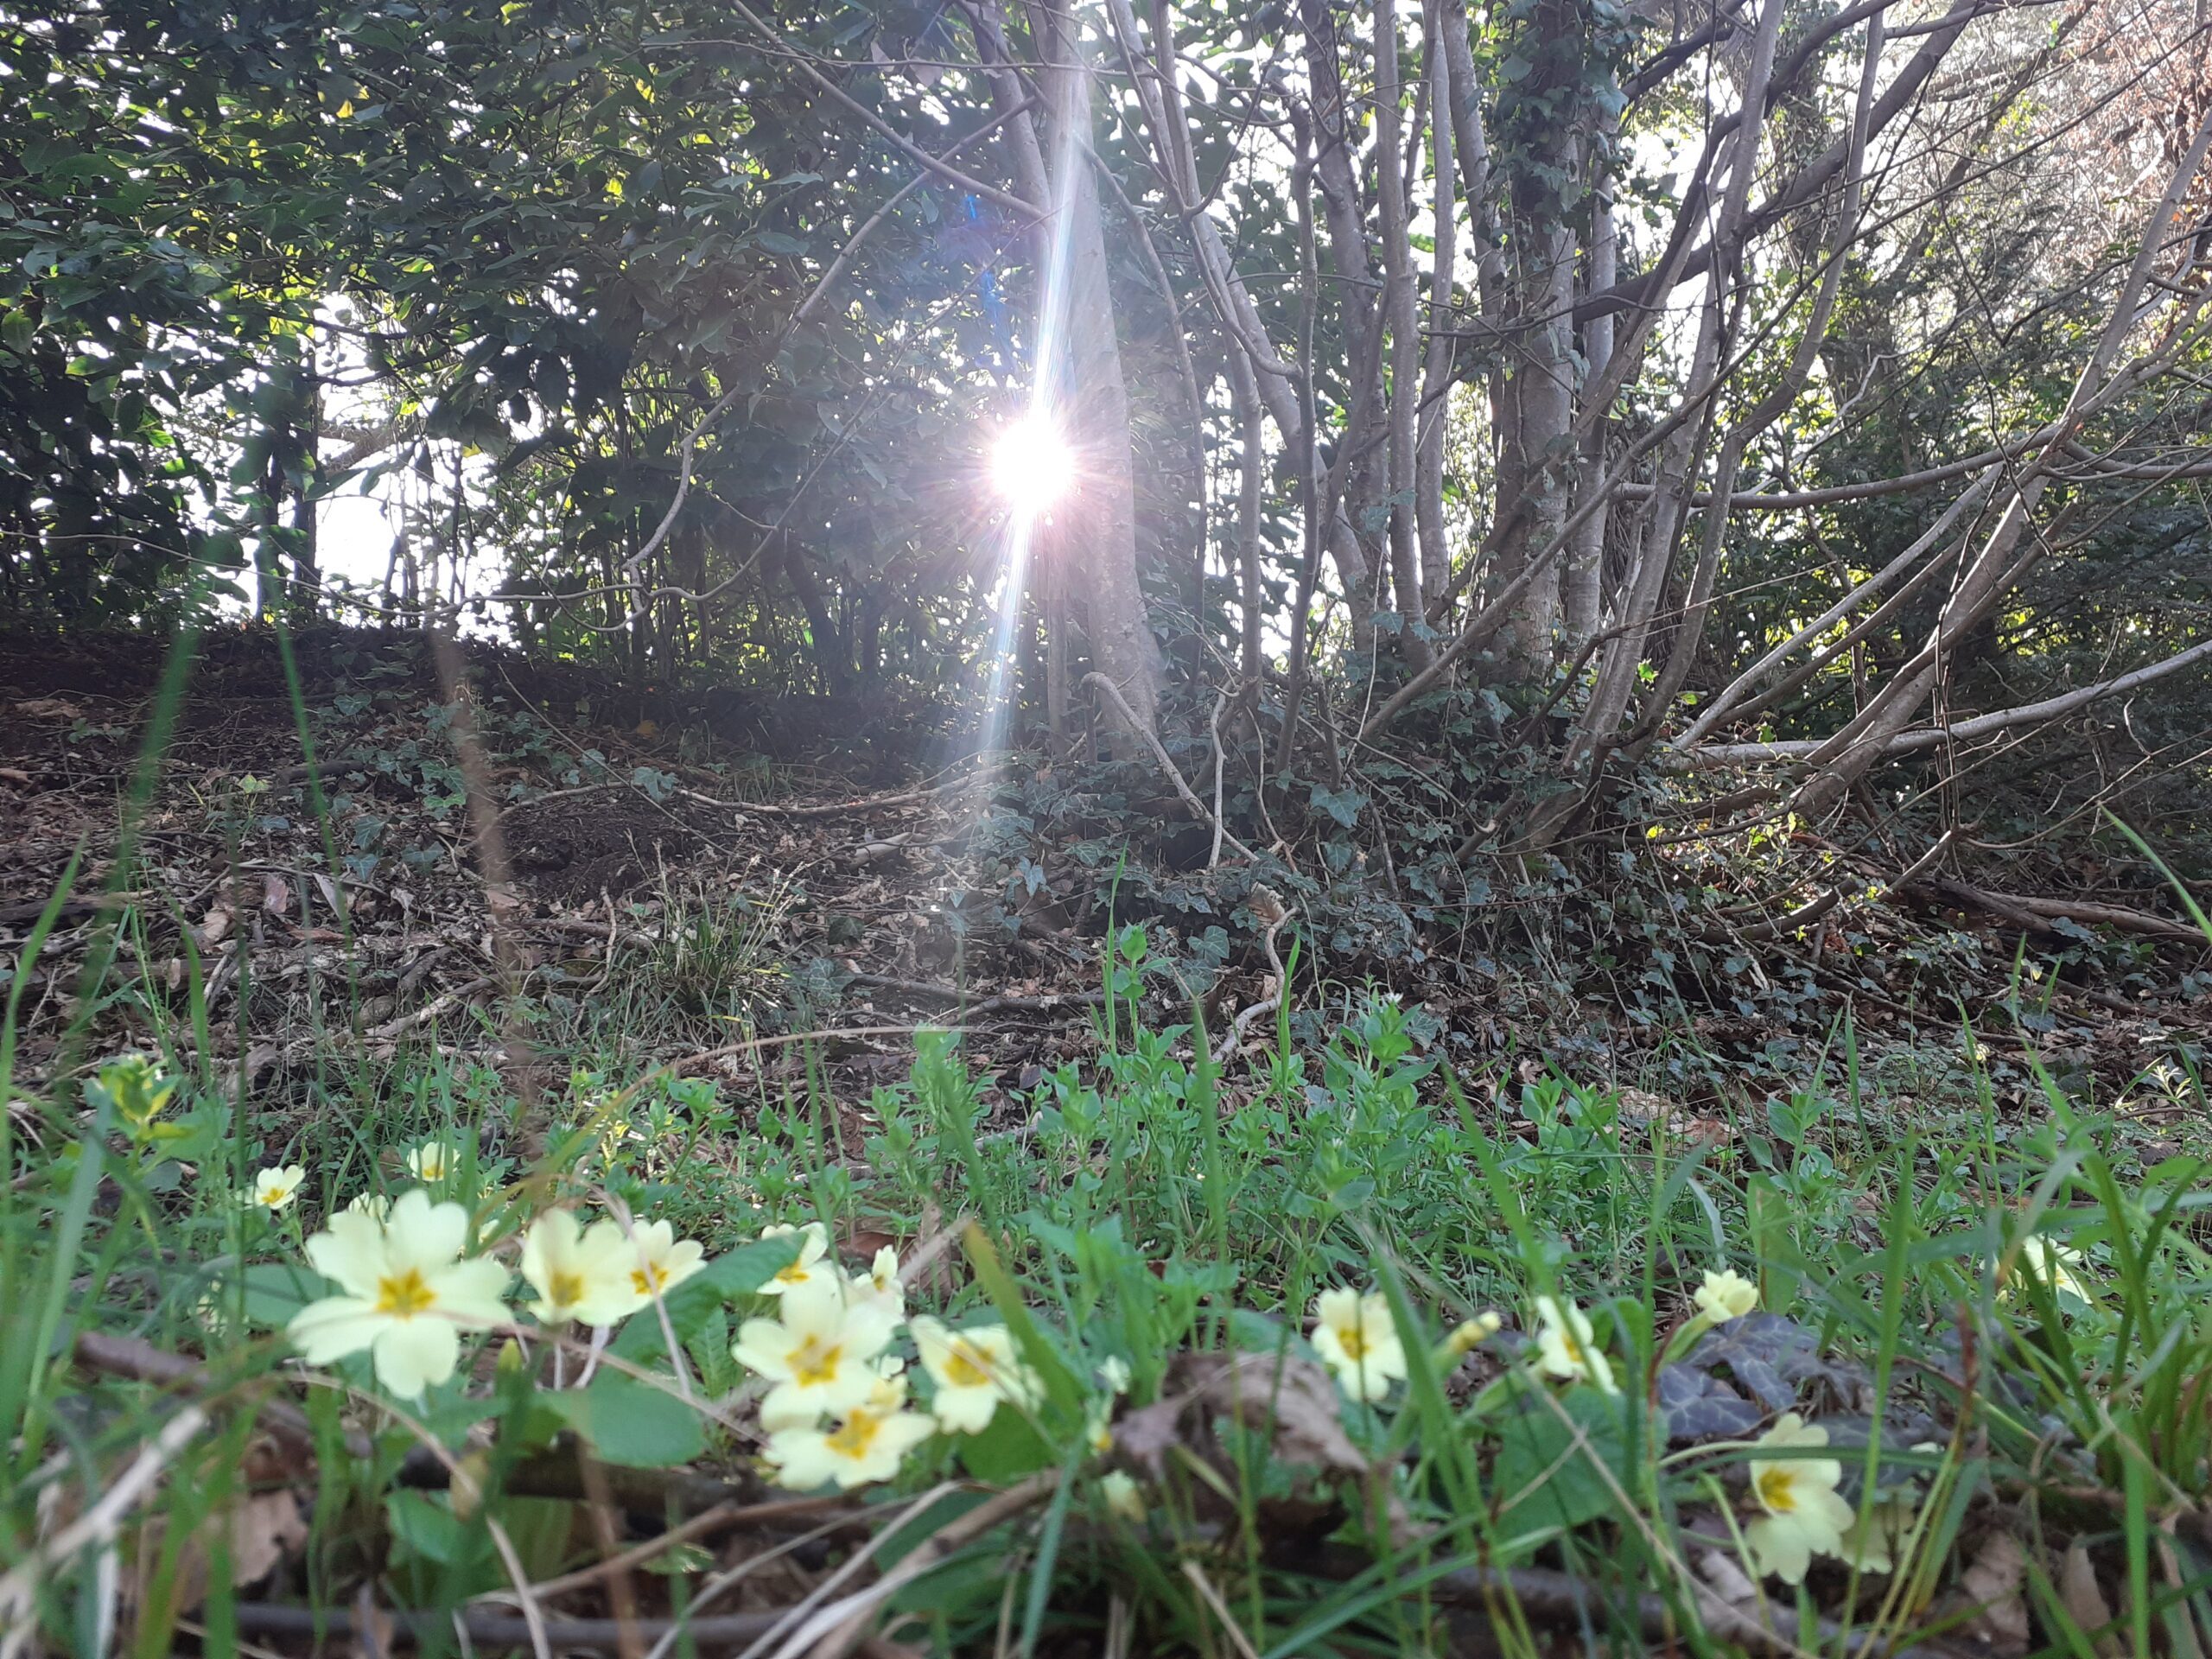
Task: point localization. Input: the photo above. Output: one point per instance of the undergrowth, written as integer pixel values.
(1342, 1361)
(1342, 1349)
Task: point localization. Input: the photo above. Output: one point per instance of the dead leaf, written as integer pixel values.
(276, 895)
(1994, 1582)
(215, 927)
(1293, 1398)
(1721, 1570)
(48, 708)
(264, 1528)
(16, 775)
(2085, 1601)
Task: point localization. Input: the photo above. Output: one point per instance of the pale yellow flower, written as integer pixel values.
(810, 1267)
(973, 1369)
(871, 1437)
(1804, 1515)
(432, 1161)
(658, 1261)
(273, 1189)
(879, 1284)
(1726, 1294)
(1113, 1372)
(582, 1274)
(1357, 1342)
(1470, 1334)
(409, 1293)
(2050, 1264)
(377, 1206)
(1122, 1498)
(1566, 1347)
(819, 1353)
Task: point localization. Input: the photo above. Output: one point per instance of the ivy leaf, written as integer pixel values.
(1342, 805)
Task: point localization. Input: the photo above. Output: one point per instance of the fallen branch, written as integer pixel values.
(2037, 914)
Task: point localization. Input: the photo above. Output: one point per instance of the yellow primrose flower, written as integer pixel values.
(275, 1188)
(1113, 1372)
(1726, 1294)
(582, 1274)
(1356, 1341)
(810, 1267)
(432, 1161)
(659, 1261)
(409, 1293)
(819, 1354)
(879, 1284)
(872, 1436)
(377, 1206)
(973, 1369)
(1566, 1347)
(1123, 1500)
(1470, 1334)
(1804, 1515)
(2050, 1264)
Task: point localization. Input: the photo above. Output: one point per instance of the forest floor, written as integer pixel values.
(728, 879)
(569, 942)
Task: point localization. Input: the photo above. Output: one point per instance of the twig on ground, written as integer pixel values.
(723, 1517)
(782, 1039)
(141, 1361)
(496, 1630)
(1052, 1002)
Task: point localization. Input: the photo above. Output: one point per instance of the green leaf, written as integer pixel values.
(1545, 1476)
(277, 1290)
(1009, 1448)
(631, 1422)
(1342, 805)
(428, 1526)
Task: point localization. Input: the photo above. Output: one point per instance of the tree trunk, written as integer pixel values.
(1100, 519)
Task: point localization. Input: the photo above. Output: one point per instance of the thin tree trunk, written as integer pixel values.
(1582, 597)
(1252, 463)
(1436, 377)
(1399, 310)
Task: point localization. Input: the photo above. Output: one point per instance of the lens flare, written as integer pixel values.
(1030, 465)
